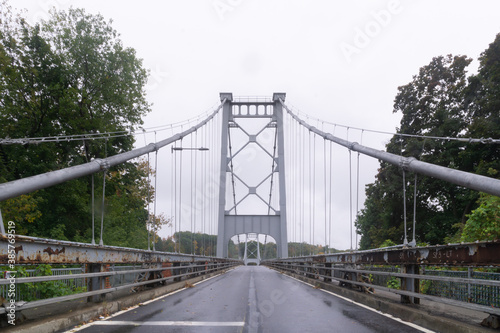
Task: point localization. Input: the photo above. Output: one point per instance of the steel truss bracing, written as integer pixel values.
(252, 249)
(272, 223)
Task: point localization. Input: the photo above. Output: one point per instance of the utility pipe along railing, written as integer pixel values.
(26, 185)
(462, 178)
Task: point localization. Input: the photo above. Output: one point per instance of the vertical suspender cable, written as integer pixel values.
(330, 199)
(206, 244)
(350, 196)
(293, 183)
(414, 241)
(293, 180)
(212, 202)
(195, 189)
(325, 189)
(303, 199)
(191, 191)
(172, 196)
(92, 190)
(313, 190)
(93, 212)
(103, 191)
(350, 189)
(290, 187)
(180, 199)
(102, 207)
(404, 205)
(176, 216)
(148, 222)
(357, 189)
(203, 192)
(310, 194)
(211, 165)
(156, 196)
(405, 242)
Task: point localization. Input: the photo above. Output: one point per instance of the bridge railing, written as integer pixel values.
(98, 262)
(409, 276)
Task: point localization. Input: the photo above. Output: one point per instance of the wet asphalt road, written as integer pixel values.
(250, 299)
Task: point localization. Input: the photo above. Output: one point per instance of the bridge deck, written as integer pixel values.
(250, 299)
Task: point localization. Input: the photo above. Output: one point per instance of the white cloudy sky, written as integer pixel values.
(340, 61)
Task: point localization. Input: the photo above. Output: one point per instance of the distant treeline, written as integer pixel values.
(204, 244)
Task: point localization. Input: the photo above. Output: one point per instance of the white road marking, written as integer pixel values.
(170, 323)
(420, 328)
(254, 315)
(79, 328)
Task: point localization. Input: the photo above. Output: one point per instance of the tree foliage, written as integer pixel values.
(441, 101)
(196, 243)
(484, 222)
(71, 75)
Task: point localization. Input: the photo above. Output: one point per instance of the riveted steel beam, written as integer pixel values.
(465, 254)
(32, 250)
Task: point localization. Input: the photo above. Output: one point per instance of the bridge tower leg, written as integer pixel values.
(278, 112)
(226, 113)
(245, 257)
(273, 225)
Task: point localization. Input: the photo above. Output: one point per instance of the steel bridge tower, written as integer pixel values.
(273, 223)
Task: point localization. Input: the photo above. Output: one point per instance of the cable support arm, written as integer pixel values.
(462, 178)
(26, 185)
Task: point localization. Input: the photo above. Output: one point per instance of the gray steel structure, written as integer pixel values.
(466, 179)
(26, 185)
(273, 225)
(252, 252)
(230, 225)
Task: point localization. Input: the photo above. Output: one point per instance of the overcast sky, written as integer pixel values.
(340, 61)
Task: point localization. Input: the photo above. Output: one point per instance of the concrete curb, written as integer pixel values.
(68, 321)
(410, 313)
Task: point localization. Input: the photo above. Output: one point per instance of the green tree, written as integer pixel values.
(106, 81)
(71, 75)
(482, 102)
(482, 106)
(431, 105)
(484, 222)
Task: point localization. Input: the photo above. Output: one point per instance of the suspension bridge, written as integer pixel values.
(252, 171)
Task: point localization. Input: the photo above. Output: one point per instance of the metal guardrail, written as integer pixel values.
(99, 267)
(410, 271)
(68, 283)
